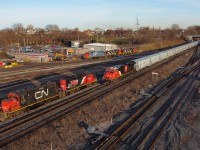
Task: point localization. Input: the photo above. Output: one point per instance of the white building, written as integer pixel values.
(99, 47)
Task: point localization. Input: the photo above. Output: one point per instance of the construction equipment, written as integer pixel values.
(60, 57)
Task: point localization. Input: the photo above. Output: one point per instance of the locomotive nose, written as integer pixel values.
(106, 75)
(86, 56)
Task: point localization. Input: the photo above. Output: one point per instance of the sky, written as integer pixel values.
(105, 14)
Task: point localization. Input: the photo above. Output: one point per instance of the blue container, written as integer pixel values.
(97, 54)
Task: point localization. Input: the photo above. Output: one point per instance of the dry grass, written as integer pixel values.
(157, 45)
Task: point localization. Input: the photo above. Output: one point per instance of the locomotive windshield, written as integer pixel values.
(110, 70)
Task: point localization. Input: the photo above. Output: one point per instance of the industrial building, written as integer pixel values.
(32, 57)
(99, 47)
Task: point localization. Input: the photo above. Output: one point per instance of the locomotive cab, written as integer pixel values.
(88, 78)
(10, 104)
(29, 97)
(111, 73)
(115, 72)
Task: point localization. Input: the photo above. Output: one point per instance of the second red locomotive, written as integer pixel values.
(115, 72)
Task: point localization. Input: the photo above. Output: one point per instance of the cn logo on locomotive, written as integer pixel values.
(41, 94)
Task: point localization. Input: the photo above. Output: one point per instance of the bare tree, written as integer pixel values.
(18, 28)
(193, 29)
(52, 27)
(175, 27)
(65, 29)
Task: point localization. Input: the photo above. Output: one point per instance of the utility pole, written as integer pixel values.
(78, 37)
(76, 49)
(27, 42)
(24, 42)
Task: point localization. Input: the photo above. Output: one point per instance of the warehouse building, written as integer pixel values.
(99, 47)
(32, 57)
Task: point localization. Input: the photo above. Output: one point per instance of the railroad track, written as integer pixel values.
(12, 130)
(58, 67)
(166, 114)
(30, 73)
(8, 79)
(18, 127)
(139, 139)
(11, 76)
(25, 78)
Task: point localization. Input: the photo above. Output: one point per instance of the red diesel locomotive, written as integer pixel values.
(29, 97)
(115, 72)
(32, 96)
(69, 84)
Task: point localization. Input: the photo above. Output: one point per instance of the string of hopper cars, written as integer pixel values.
(32, 96)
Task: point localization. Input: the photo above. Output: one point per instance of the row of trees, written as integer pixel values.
(150, 35)
(52, 34)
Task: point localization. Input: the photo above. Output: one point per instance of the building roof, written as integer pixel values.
(100, 44)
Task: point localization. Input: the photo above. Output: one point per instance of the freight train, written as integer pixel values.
(32, 96)
(115, 72)
(97, 54)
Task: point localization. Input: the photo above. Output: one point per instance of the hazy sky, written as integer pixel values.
(105, 14)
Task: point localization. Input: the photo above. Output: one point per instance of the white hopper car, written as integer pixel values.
(154, 58)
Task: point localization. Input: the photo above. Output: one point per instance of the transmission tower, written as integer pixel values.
(137, 23)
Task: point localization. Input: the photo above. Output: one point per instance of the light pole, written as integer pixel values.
(105, 50)
(24, 42)
(161, 41)
(161, 37)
